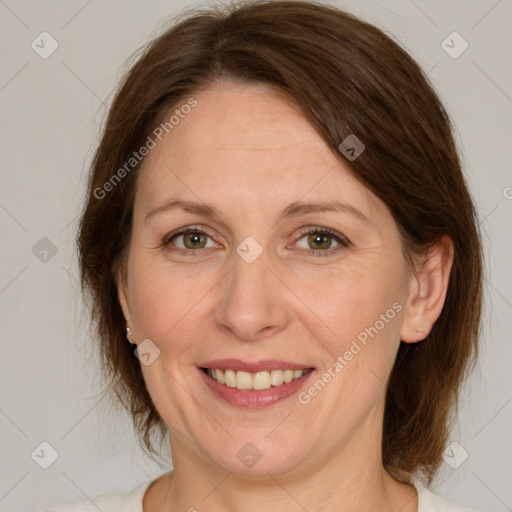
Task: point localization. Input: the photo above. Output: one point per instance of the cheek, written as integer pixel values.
(352, 297)
(365, 316)
(164, 299)
(360, 317)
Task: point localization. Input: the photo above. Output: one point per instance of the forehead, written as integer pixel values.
(246, 141)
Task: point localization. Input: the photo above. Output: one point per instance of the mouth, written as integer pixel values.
(254, 385)
(256, 381)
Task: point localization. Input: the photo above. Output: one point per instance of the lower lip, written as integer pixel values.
(251, 399)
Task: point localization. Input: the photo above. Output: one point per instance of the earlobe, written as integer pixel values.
(427, 291)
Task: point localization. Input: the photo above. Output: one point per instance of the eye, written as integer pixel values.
(320, 240)
(190, 239)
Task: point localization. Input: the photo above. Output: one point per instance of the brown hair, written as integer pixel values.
(347, 77)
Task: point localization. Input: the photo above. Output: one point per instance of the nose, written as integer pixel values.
(252, 303)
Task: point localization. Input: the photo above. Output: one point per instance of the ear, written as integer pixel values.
(427, 291)
(121, 279)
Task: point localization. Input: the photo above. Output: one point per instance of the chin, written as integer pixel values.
(256, 460)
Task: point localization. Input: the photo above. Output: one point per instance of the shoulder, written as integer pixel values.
(127, 502)
(430, 502)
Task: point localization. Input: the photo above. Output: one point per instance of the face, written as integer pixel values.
(256, 281)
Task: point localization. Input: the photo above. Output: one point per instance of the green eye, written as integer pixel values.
(194, 240)
(320, 240)
(191, 239)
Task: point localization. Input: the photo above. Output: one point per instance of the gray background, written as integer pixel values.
(52, 109)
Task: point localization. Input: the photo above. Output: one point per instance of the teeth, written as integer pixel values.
(258, 381)
(243, 380)
(276, 377)
(288, 375)
(219, 376)
(261, 380)
(229, 378)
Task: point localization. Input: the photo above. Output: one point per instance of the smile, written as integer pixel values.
(256, 381)
(256, 384)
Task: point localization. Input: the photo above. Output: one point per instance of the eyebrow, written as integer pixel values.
(293, 210)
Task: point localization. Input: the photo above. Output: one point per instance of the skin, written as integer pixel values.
(250, 153)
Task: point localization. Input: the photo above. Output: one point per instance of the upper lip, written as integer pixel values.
(253, 366)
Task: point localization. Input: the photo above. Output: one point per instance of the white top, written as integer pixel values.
(132, 501)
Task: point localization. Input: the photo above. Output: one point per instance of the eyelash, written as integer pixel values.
(342, 241)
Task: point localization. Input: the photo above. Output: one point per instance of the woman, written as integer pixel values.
(278, 223)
